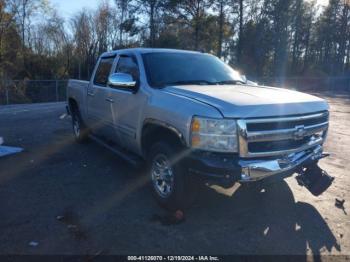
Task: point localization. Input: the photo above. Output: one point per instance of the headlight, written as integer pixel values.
(219, 135)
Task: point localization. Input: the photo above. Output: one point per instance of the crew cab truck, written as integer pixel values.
(189, 115)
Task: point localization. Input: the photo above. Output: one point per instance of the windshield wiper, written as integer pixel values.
(191, 82)
(203, 82)
(230, 82)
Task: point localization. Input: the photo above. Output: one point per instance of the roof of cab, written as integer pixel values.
(147, 50)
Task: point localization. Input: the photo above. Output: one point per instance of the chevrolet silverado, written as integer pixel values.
(191, 118)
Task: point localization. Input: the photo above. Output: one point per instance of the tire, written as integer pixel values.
(80, 130)
(170, 184)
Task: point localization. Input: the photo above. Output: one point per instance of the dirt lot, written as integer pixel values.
(106, 208)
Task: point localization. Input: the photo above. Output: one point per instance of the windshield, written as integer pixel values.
(164, 69)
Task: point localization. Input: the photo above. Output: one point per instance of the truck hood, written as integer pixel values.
(244, 101)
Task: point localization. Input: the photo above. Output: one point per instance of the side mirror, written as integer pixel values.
(121, 80)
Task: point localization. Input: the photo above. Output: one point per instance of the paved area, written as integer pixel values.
(68, 198)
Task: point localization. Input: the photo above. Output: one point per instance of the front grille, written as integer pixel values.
(276, 145)
(286, 124)
(281, 135)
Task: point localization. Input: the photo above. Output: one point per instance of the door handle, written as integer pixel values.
(90, 93)
(109, 100)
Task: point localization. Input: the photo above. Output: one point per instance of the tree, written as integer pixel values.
(25, 11)
(85, 42)
(343, 36)
(239, 47)
(275, 38)
(103, 26)
(123, 8)
(193, 13)
(9, 40)
(279, 13)
(151, 9)
(301, 25)
(222, 7)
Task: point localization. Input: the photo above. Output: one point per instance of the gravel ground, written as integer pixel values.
(68, 198)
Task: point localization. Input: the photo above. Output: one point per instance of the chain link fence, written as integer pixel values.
(32, 91)
(38, 91)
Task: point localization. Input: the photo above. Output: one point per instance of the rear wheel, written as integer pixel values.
(80, 131)
(169, 181)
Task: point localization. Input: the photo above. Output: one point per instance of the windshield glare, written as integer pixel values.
(165, 69)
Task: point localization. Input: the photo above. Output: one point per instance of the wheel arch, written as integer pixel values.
(72, 104)
(156, 130)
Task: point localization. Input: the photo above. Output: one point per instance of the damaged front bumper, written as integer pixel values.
(254, 170)
(227, 169)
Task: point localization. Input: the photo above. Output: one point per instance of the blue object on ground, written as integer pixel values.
(9, 150)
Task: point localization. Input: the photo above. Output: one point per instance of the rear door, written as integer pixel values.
(100, 119)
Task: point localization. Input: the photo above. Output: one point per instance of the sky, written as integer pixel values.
(322, 2)
(68, 7)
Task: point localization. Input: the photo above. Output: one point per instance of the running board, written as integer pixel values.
(127, 156)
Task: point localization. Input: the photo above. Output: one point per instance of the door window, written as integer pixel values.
(103, 71)
(128, 65)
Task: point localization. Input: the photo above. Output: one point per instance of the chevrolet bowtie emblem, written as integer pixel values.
(299, 132)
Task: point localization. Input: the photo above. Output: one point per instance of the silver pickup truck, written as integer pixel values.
(193, 118)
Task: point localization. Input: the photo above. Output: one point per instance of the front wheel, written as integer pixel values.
(170, 183)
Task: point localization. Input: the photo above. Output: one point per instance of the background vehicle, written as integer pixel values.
(192, 116)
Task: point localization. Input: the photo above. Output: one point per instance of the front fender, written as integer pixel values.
(176, 112)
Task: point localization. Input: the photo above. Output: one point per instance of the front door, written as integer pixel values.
(127, 103)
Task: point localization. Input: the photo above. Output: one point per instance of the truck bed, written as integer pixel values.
(77, 90)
